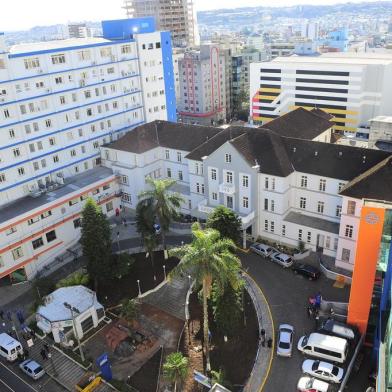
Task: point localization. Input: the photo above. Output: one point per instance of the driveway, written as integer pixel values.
(287, 295)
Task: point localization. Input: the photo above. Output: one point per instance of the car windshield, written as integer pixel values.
(335, 371)
(304, 341)
(309, 384)
(288, 260)
(284, 345)
(38, 369)
(315, 365)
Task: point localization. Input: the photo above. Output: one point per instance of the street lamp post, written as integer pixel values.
(118, 241)
(75, 311)
(164, 272)
(138, 285)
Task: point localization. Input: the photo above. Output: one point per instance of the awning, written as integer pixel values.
(44, 327)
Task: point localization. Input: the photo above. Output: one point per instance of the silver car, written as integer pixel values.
(32, 369)
(323, 370)
(262, 249)
(284, 346)
(284, 260)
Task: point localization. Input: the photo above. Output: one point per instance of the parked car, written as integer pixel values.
(284, 260)
(310, 384)
(32, 369)
(262, 249)
(307, 270)
(323, 370)
(284, 347)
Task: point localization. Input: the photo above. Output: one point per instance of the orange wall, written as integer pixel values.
(368, 246)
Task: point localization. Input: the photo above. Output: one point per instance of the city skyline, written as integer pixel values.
(24, 14)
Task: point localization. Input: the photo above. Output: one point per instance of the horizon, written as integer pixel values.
(103, 11)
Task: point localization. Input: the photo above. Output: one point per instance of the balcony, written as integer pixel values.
(228, 189)
(247, 219)
(202, 207)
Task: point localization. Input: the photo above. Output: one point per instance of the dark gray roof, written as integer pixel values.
(375, 183)
(301, 123)
(166, 134)
(312, 221)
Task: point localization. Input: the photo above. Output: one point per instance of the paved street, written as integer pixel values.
(287, 295)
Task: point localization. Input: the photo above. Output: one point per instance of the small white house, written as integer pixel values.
(66, 306)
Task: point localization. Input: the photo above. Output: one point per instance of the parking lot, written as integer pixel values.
(287, 295)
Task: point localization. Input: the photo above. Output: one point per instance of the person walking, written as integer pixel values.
(2, 314)
(262, 337)
(43, 354)
(9, 316)
(269, 343)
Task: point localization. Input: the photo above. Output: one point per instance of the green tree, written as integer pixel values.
(145, 227)
(210, 259)
(175, 369)
(227, 222)
(227, 309)
(164, 203)
(129, 309)
(75, 279)
(219, 377)
(96, 242)
(121, 265)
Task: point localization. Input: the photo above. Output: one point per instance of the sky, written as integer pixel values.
(24, 14)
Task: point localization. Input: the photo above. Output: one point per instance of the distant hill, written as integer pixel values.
(253, 14)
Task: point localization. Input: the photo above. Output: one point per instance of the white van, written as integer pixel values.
(9, 347)
(324, 346)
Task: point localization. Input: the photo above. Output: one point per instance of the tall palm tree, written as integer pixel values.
(164, 204)
(175, 368)
(210, 259)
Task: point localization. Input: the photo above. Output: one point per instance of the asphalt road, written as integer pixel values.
(287, 295)
(13, 380)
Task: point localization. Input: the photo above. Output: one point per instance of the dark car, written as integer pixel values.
(307, 270)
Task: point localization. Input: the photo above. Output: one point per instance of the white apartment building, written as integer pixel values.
(59, 102)
(204, 86)
(380, 133)
(354, 88)
(286, 189)
(176, 16)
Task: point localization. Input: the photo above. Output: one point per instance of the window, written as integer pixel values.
(11, 230)
(322, 185)
(213, 174)
(21, 171)
(58, 80)
(299, 234)
(266, 204)
(266, 225)
(266, 182)
(11, 133)
(228, 158)
(245, 181)
(179, 157)
(46, 214)
(214, 196)
(73, 201)
(338, 212)
(52, 141)
(126, 49)
(304, 181)
(351, 207)
(6, 113)
(167, 154)
(320, 207)
(302, 203)
(272, 205)
(58, 59)
(55, 158)
(17, 253)
(202, 189)
(16, 152)
(126, 198)
(169, 172)
(283, 230)
(2, 177)
(335, 243)
(32, 62)
(106, 52)
(272, 227)
(50, 236)
(348, 231)
(345, 254)
(109, 206)
(273, 184)
(84, 55)
(180, 176)
(245, 202)
(229, 177)
(37, 243)
(77, 223)
(340, 186)
(309, 237)
(124, 180)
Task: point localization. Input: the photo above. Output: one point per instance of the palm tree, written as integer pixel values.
(129, 309)
(210, 259)
(164, 204)
(175, 368)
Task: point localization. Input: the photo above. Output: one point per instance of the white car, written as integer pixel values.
(32, 369)
(284, 347)
(262, 249)
(324, 370)
(284, 260)
(307, 384)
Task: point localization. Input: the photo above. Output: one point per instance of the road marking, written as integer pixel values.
(273, 337)
(21, 379)
(7, 386)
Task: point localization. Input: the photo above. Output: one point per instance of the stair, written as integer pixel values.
(171, 297)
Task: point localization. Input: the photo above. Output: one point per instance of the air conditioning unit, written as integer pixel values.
(82, 83)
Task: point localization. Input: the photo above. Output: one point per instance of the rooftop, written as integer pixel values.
(386, 119)
(79, 297)
(28, 203)
(313, 222)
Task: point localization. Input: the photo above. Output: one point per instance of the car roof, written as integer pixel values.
(325, 365)
(284, 256)
(30, 363)
(308, 267)
(285, 337)
(260, 245)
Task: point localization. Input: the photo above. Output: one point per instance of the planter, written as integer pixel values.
(301, 255)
